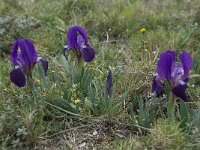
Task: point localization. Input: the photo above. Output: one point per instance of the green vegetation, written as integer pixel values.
(47, 115)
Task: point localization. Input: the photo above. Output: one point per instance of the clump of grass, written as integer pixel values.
(163, 135)
(132, 143)
(166, 135)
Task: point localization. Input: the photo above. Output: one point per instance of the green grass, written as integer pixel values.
(29, 116)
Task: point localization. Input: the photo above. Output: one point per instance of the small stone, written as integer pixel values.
(94, 133)
(82, 145)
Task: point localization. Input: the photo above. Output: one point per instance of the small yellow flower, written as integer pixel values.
(76, 101)
(37, 81)
(143, 30)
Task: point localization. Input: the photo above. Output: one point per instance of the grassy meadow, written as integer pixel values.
(69, 108)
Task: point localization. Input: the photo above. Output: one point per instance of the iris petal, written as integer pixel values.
(27, 55)
(177, 73)
(157, 86)
(178, 70)
(14, 55)
(81, 42)
(28, 52)
(165, 65)
(109, 84)
(88, 54)
(44, 64)
(73, 37)
(187, 62)
(17, 77)
(179, 91)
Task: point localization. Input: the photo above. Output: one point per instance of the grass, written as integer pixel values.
(132, 118)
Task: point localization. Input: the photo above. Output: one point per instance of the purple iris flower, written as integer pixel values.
(77, 40)
(24, 57)
(109, 84)
(176, 74)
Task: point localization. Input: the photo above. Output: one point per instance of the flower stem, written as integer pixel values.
(171, 107)
(143, 50)
(79, 69)
(29, 81)
(30, 85)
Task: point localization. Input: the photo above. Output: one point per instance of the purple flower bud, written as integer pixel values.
(109, 84)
